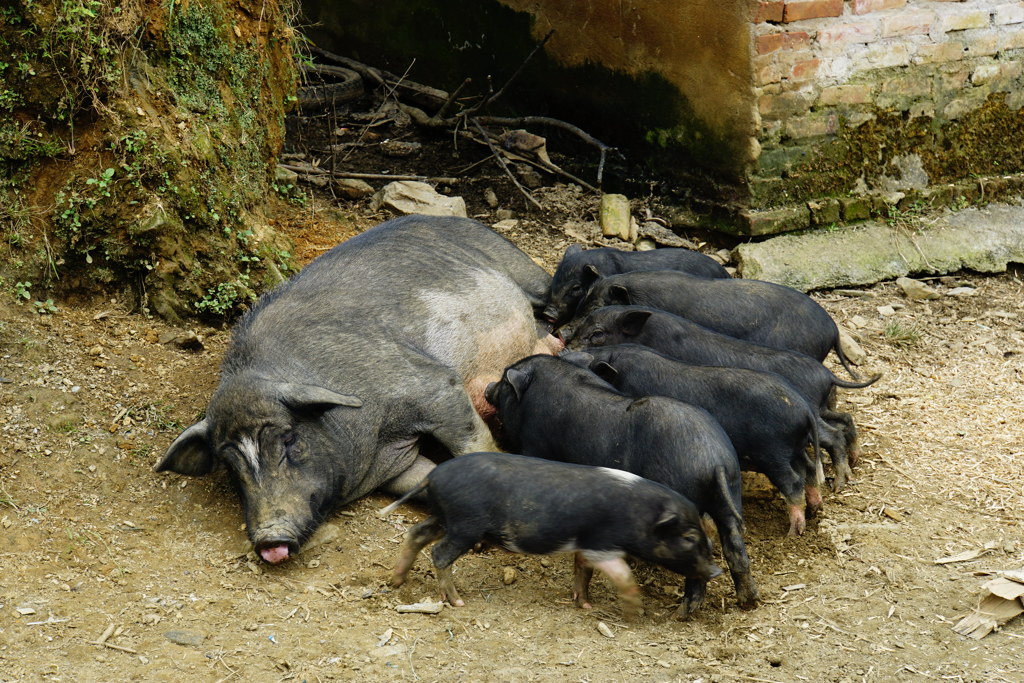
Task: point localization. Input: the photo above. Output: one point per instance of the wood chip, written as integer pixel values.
(1000, 604)
(960, 557)
(420, 608)
(604, 630)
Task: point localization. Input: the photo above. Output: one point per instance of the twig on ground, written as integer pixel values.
(503, 165)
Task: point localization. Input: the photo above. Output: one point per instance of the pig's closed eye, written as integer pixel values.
(289, 439)
(597, 338)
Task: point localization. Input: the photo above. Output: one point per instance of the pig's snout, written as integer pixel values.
(713, 570)
(551, 314)
(276, 551)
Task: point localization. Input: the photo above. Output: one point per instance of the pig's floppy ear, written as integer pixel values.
(589, 275)
(580, 359)
(572, 250)
(618, 295)
(667, 524)
(634, 321)
(190, 453)
(518, 380)
(604, 370)
(307, 396)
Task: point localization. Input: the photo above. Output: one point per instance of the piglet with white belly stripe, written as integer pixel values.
(529, 505)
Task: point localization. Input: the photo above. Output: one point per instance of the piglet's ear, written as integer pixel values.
(604, 370)
(667, 524)
(518, 380)
(310, 396)
(572, 250)
(634, 321)
(580, 359)
(618, 295)
(589, 275)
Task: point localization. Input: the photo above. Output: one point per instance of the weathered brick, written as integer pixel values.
(1012, 13)
(984, 73)
(881, 56)
(770, 10)
(855, 208)
(1011, 40)
(812, 125)
(769, 73)
(824, 212)
(774, 221)
(783, 105)
(865, 6)
(804, 69)
(981, 44)
(962, 21)
(841, 34)
(857, 119)
(939, 52)
(916, 85)
(844, 94)
(1000, 77)
(797, 10)
(791, 40)
(954, 79)
(959, 106)
(909, 23)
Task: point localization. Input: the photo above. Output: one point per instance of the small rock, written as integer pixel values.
(604, 630)
(663, 236)
(615, 218)
(285, 176)
(352, 188)
(858, 321)
(886, 310)
(509, 577)
(504, 214)
(187, 638)
(528, 176)
(405, 197)
(508, 224)
(916, 290)
(490, 198)
(723, 256)
(183, 339)
(646, 244)
(961, 291)
(388, 651)
(399, 149)
(851, 348)
(859, 293)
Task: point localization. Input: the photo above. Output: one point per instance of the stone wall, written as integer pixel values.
(868, 107)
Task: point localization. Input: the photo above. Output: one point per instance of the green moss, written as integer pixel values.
(950, 151)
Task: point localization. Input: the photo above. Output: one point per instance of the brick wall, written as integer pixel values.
(887, 101)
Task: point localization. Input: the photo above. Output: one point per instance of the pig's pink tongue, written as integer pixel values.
(275, 554)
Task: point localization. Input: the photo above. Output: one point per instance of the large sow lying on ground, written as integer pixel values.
(333, 379)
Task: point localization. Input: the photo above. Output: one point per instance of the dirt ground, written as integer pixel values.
(109, 571)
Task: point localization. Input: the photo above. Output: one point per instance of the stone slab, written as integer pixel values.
(980, 239)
